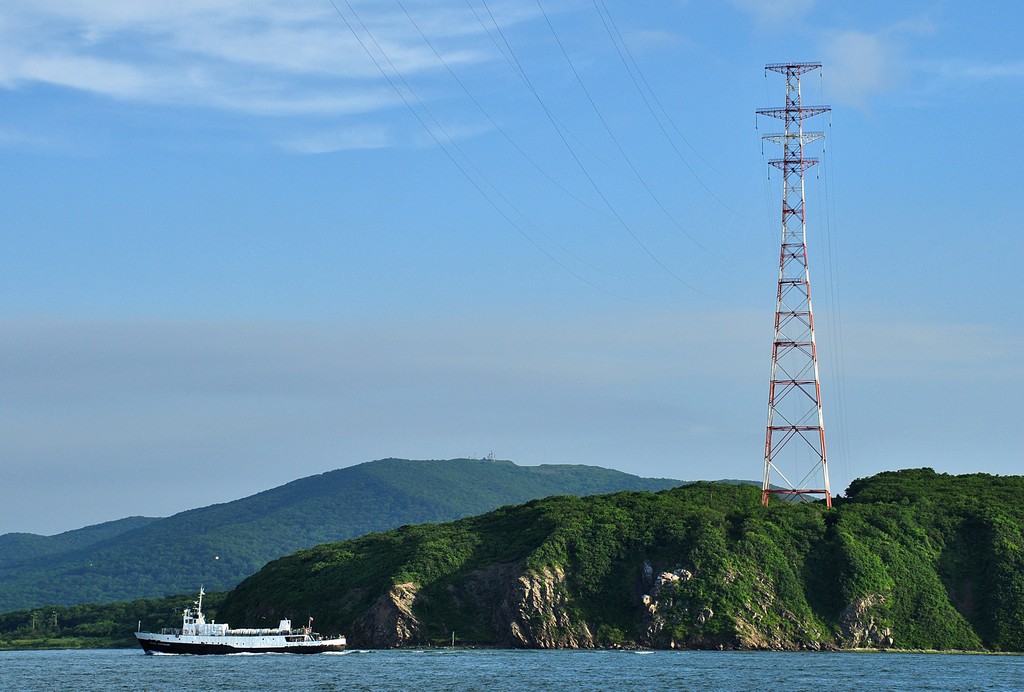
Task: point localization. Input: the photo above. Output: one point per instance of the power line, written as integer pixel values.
(494, 124)
(837, 343)
(441, 128)
(518, 68)
(604, 123)
(622, 49)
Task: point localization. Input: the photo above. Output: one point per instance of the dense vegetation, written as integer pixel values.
(95, 626)
(909, 559)
(18, 548)
(970, 528)
(219, 545)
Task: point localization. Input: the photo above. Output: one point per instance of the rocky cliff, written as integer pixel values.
(907, 560)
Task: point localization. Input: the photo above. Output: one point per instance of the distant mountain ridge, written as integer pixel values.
(16, 548)
(219, 545)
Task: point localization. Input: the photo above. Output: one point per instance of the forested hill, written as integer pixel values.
(17, 548)
(909, 559)
(217, 546)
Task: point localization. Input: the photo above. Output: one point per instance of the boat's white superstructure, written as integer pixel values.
(197, 636)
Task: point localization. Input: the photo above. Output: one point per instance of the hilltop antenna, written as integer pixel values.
(796, 428)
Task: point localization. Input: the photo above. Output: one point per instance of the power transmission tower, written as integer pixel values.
(796, 431)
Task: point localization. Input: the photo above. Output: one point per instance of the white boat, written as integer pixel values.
(197, 636)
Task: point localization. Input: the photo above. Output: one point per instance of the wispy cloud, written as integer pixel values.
(342, 139)
(78, 72)
(11, 138)
(774, 12)
(261, 56)
(984, 71)
(860, 65)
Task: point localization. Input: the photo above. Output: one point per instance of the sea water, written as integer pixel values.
(468, 669)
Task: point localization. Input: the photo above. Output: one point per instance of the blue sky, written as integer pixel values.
(242, 246)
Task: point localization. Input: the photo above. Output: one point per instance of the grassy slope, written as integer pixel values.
(945, 554)
(221, 544)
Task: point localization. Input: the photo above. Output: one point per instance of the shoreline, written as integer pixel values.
(70, 645)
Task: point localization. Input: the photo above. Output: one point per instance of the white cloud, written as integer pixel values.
(859, 65)
(81, 72)
(773, 12)
(282, 99)
(323, 142)
(985, 71)
(17, 139)
(260, 56)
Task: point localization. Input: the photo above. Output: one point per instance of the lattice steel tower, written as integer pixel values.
(795, 436)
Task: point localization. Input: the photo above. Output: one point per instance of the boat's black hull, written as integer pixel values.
(178, 647)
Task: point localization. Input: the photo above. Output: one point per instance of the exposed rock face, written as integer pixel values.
(390, 621)
(751, 635)
(676, 616)
(665, 602)
(857, 626)
(535, 610)
(535, 613)
(529, 610)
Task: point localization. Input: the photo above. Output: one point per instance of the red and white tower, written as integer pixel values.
(794, 448)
